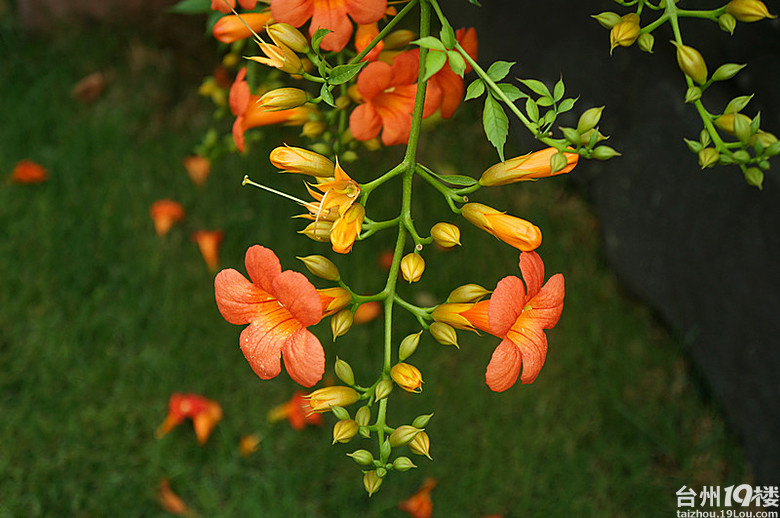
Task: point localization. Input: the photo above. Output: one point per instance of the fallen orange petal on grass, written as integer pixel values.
(208, 242)
(170, 501)
(165, 213)
(27, 171)
(204, 413)
(420, 505)
(249, 444)
(198, 168)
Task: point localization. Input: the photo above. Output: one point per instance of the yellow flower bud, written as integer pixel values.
(383, 389)
(625, 33)
(446, 235)
(468, 293)
(403, 435)
(322, 399)
(748, 10)
(754, 176)
(708, 157)
(532, 165)
(280, 57)
(412, 267)
(343, 102)
(363, 416)
(408, 346)
(313, 129)
(607, 19)
(341, 322)
(318, 231)
(399, 39)
(516, 232)
(344, 431)
(467, 316)
(764, 138)
(727, 23)
(286, 34)
(344, 372)
(282, 99)
(406, 376)
(421, 445)
(321, 266)
(372, 482)
(691, 63)
(444, 333)
(403, 464)
(298, 160)
(333, 300)
(362, 457)
(645, 42)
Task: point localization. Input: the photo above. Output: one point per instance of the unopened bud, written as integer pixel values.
(403, 464)
(727, 23)
(340, 323)
(444, 333)
(645, 42)
(764, 138)
(693, 94)
(344, 431)
(289, 36)
(727, 122)
(383, 389)
(625, 33)
(421, 421)
(318, 231)
(604, 153)
(371, 482)
(691, 63)
(298, 160)
(313, 129)
(344, 371)
(742, 128)
(399, 39)
(591, 137)
(446, 235)
(607, 19)
(408, 346)
(406, 376)
(343, 102)
(362, 457)
(412, 267)
(468, 293)
(321, 400)
(726, 71)
(748, 10)
(403, 435)
(754, 176)
(708, 157)
(557, 162)
(363, 416)
(283, 99)
(321, 266)
(589, 119)
(421, 445)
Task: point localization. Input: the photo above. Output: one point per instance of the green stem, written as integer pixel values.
(449, 194)
(385, 30)
(366, 188)
(417, 311)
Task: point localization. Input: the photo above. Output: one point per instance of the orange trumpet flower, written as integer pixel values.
(278, 306)
(420, 505)
(297, 411)
(204, 413)
(165, 213)
(198, 168)
(232, 28)
(208, 241)
(27, 171)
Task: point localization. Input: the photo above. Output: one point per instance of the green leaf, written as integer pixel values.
(559, 90)
(429, 42)
(511, 91)
(447, 36)
(738, 103)
(499, 70)
(458, 179)
(544, 101)
(496, 124)
(694, 145)
(571, 134)
(755, 125)
(191, 7)
(531, 109)
(434, 61)
(475, 2)
(566, 105)
(343, 73)
(549, 117)
(475, 89)
(316, 39)
(326, 96)
(457, 63)
(536, 86)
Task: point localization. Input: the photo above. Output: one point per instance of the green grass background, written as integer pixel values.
(101, 320)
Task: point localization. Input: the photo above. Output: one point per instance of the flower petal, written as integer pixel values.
(364, 122)
(237, 299)
(532, 344)
(263, 267)
(366, 11)
(374, 79)
(532, 268)
(304, 358)
(239, 94)
(504, 366)
(451, 86)
(299, 296)
(547, 305)
(238, 133)
(332, 16)
(262, 348)
(506, 305)
(294, 12)
(406, 66)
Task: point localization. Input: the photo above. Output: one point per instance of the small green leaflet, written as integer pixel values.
(531, 109)
(434, 61)
(429, 42)
(499, 70)
(454, 179)
(447, 36)
(536, 86)
(559, 90)
(327, 96)
(475, 2)
(737, 103)
(343, 73)
(191, 7)
(475, 89)
(512, 92)
(316, 39)
(457, 64)
(496, 124)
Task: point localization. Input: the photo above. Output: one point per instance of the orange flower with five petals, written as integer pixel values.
(519, 314)
(278, 306)
(226, 6)
(420, 505)
(297, 411)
